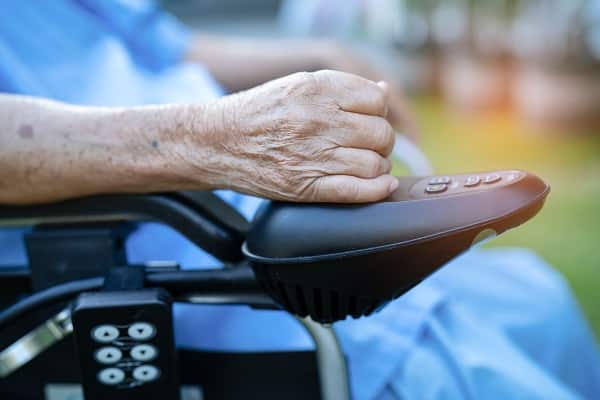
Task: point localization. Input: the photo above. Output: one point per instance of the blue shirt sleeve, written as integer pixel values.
(156, 39)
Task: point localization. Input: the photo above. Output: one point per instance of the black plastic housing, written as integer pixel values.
(202, 217)
(122, 310)
(331, 261)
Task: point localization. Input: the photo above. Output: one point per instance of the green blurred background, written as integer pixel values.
(567, 230)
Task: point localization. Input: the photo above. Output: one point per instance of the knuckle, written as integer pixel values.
(326, 78)
(373, 165)
(325, 73)
(327, 155)
(302, 76)
(308, 133)
(385, 134)
(305, 83)
(380, 100)
(311, 190)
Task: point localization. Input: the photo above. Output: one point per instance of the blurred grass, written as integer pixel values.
(567, 231)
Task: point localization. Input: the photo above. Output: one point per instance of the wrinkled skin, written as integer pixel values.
(318, 136)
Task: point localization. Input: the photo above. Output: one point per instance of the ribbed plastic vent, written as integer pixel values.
(325, 306)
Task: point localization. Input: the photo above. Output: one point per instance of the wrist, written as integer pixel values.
(180, 143)
(193, 145)
(148, 149)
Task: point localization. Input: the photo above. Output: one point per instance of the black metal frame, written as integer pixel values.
(36, 292)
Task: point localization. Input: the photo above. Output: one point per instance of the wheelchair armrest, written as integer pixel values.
(329, 261)
(202, 217)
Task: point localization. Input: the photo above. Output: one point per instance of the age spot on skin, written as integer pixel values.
(25, 131)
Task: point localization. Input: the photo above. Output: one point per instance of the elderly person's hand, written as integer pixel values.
(318, 136)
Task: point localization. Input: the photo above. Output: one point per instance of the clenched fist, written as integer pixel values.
(308, 137)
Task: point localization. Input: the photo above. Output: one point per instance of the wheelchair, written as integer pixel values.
(80, 322)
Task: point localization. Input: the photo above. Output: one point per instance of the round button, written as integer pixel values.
(105, 333)
(146, 373)
(472, 180)
(108, 355)
(111, 376)
(141, 331)
(512, 176)
(491, 178)
(436, 188)
(143, 352)
(440, 179)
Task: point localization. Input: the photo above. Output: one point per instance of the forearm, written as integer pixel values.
(318, 137)
(239, 63)
(51, 151)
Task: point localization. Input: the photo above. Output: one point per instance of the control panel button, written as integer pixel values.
(146, 373)
(108, 355)
(439, 188)
(512, 176)
(472, 181)
(141, 331)
(105, 333)
(111, 376)
(439, 180)
(491, 178)
(143, 352)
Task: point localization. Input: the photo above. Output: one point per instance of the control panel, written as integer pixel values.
(457, 184)
(125, 344)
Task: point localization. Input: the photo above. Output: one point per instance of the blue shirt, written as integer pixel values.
(495, 324)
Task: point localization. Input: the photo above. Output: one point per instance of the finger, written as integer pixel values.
(364, 132)
(358, 162)
(353, 93)
(350, 189)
